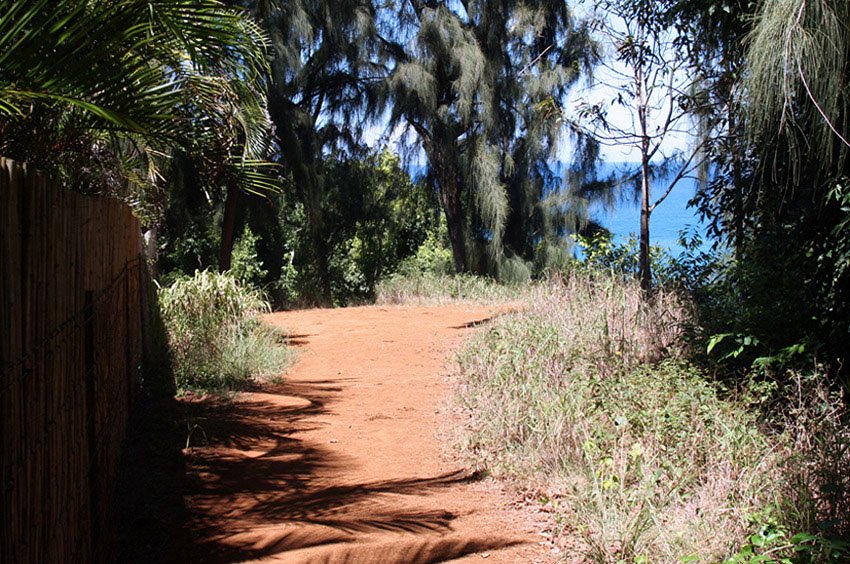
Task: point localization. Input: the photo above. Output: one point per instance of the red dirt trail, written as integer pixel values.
(342, 462)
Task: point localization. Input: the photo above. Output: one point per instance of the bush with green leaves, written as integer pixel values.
(246, 265)
(428, 277)
(376, 216)
(216, 338)
(433, 255)
(771, 543)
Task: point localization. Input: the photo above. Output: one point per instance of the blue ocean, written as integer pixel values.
(668, 220)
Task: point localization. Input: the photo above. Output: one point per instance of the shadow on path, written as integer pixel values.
(256, 489)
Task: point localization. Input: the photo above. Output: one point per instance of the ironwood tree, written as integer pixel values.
(478, 84)
(798, 109)
(324, 55)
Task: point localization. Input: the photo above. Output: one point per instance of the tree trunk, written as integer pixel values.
(517, 236)
(321, 254)
(450, 197)
(314, 262)
(225, 253)
(644, 265)
(734, 148)
(151, 250)
(301, 151)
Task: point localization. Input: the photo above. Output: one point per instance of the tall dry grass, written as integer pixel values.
(428, 288)
(588, 397)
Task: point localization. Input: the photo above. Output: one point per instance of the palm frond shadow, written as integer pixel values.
(295, 482)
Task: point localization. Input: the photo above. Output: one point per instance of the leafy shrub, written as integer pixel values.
(602, 252)
(216, 338)
(513, 271)
(432, 256)
(246, 265)
(376, 217)
(352, 281)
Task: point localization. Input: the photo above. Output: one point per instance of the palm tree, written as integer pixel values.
(125, 62)
(103, 93)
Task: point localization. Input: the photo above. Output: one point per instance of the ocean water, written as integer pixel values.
(671, 217)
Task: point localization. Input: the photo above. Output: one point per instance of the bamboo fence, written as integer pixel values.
(71, 305)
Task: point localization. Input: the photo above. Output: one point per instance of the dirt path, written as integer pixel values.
(342, 462)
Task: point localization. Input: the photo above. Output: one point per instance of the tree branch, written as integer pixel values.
(685, 170)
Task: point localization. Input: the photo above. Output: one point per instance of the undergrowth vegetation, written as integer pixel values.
(430, 288)
(216, 337)
(588, 397)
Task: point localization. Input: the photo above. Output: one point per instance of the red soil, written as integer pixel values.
(343, 461)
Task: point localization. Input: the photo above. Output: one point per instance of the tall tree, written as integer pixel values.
(778, 71)
(323, 57)
(712, 35)
(475, 83)
(798, 106)
(649, 80)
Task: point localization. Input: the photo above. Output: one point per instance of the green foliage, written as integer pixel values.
(764, 312)
(602, 253)
(778, 198)
(126, 44)
(325, 61)
(797, 80)
(247, 267)
(378, 217)
(831, 255)
(482, 99)
(189, 242)
(426, 278)
(837, 252)
(287, 286)
(349, 281)
(433, 255)
(513, 271)
(772, 544)
(104, 94)
(216, 338)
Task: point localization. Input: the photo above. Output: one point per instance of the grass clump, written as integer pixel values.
(217, 340)
(429, 288)
(587, 395)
